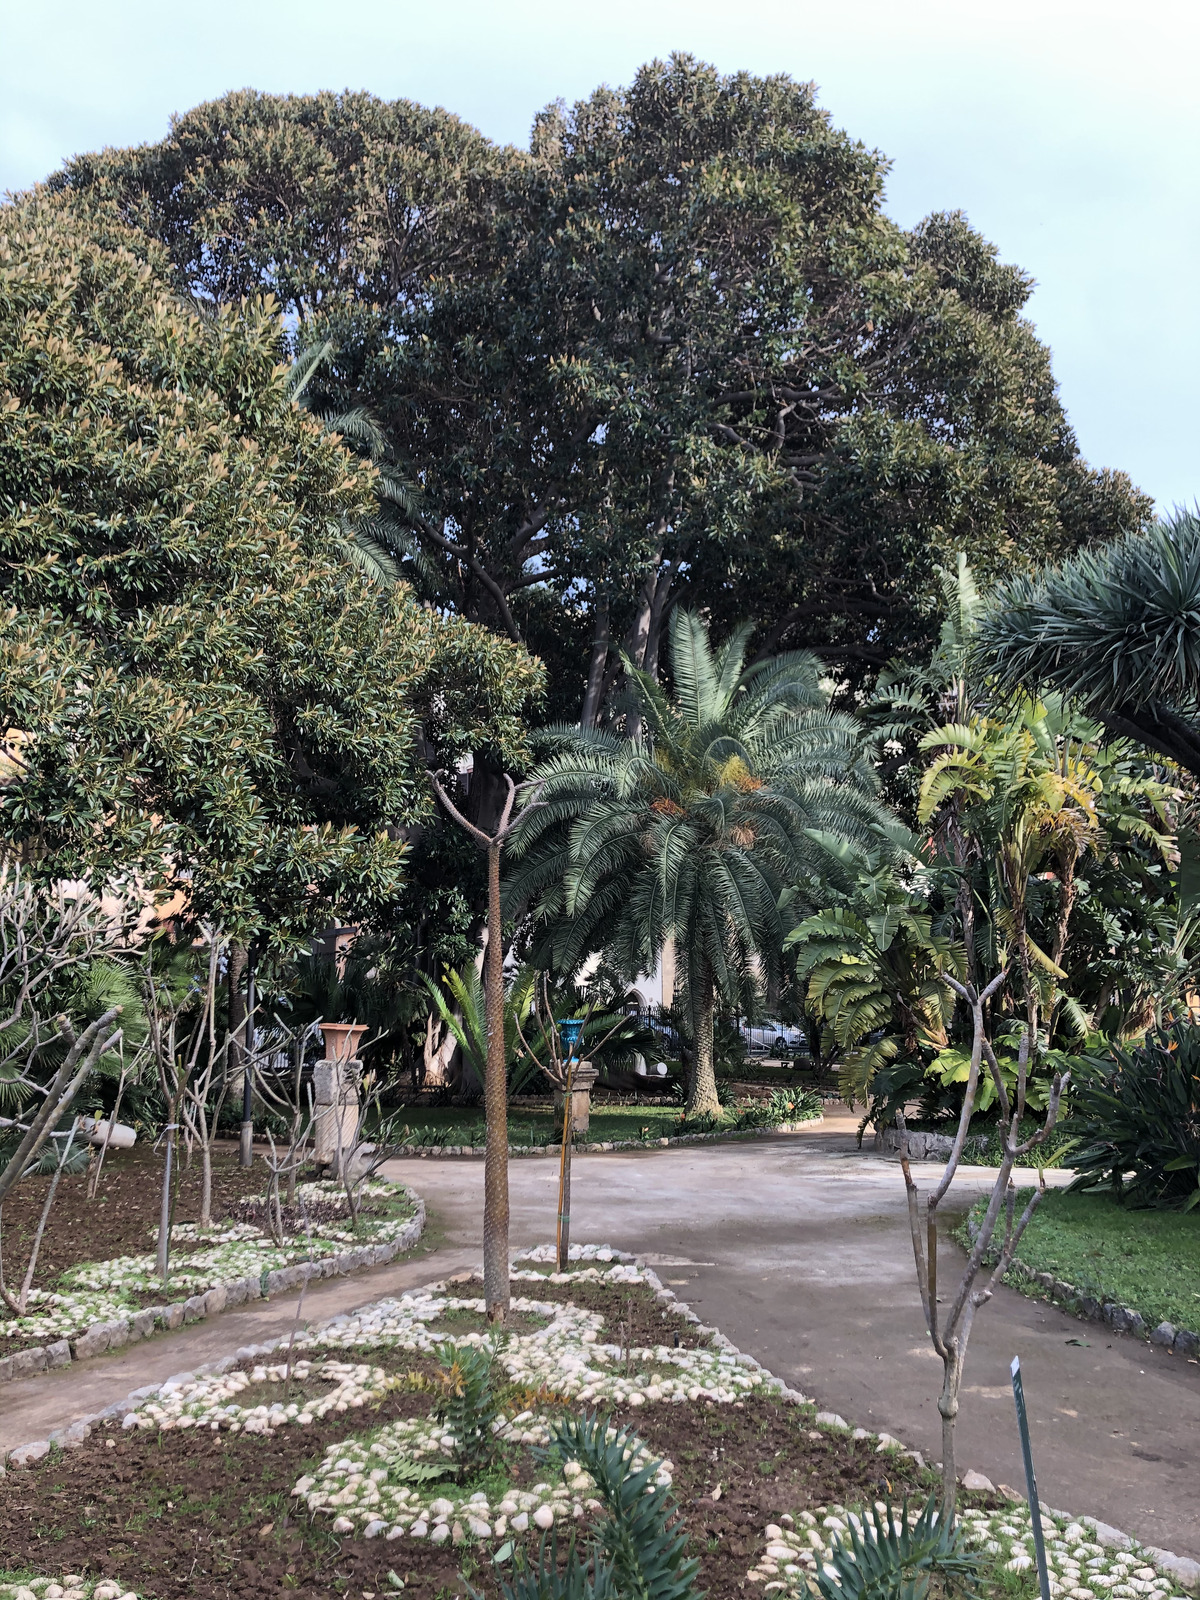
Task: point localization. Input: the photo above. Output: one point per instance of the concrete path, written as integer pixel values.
(797, 1247)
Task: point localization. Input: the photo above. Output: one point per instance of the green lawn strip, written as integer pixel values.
(1146, 1260)
(535, 1126)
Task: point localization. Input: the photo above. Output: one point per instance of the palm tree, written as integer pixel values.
(693, 827)
(1117, 629)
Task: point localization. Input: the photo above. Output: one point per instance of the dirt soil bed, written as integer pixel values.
(209, 1515)
(122, 1219)
(630, 1307)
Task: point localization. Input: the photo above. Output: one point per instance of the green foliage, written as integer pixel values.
(528, 327)
(887, 1558)
(1138, 1124)
(468, 1406)
(639, 1534)
(695, 828)
(1117, 628)
(875, 967)
(565, 1576)
(209, 693)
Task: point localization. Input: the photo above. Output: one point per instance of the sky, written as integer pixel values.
(1068, 132)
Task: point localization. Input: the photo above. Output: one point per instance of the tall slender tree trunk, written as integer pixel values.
(206, 1169)
(495, 1096)
(238, 1057)
(702, 1091)
(595, 681)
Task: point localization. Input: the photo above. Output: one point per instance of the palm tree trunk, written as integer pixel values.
(702, 1090)
(495, 1099)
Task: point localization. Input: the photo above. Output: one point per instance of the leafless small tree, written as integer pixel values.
(45, 1057)
(288, 1095)
(189, 1060)
(559, 1066)
(950, 1331)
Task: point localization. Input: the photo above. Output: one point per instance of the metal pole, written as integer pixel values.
(1039, 1542)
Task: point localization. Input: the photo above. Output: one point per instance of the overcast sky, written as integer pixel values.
(1068, 132)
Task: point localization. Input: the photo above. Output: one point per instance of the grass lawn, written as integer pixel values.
(1147, 1260)
(536, 1125)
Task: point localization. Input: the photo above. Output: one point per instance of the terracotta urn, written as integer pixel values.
(342, 1039)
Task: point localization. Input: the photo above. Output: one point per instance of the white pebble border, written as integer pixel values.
(1090, 1560)
(352, 1484)
(226, 1274)
(1081, 1568)
(72, 1587)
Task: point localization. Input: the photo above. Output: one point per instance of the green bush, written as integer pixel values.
(1139, 1124)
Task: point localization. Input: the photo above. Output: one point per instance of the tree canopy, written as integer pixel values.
(203, 689)
(674, 353)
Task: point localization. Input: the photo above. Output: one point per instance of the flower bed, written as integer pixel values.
(330, 1456)
(231, 1254)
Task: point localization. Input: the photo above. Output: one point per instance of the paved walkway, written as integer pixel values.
(797, 1247)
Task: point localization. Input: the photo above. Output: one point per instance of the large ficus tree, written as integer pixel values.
(203, 689)
(673, 351)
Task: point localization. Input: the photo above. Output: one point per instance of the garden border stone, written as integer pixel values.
(1182, 1569)
(105, 1336)
(1121, 1319)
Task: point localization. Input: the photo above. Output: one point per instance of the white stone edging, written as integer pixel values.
(105, 1336)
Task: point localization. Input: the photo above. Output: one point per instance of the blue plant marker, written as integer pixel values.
(1039, 1543)
(570, 1030)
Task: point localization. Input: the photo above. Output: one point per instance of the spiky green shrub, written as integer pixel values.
(887, 1558)
(573, 1577)
(468, 1406)
(640, 1535)
(1143, 1118)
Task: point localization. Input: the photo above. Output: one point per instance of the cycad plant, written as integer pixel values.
(1118, 629)
(886, 1556)
(694, 827)
(640, 1549)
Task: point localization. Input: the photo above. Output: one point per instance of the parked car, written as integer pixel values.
(773, 1038)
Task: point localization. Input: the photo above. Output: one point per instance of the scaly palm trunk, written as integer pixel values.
(702, 1089)
(495, 1099)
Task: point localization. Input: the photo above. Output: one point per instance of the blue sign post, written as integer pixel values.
(1039, 1542)
(570, 1031)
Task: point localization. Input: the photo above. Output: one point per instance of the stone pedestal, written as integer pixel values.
(336, 1110)
(583, 1079)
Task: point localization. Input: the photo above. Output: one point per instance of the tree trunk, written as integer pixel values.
(206, 1170)
(495, 1170)
(702, 1090)
(236, 1059)
(163, 1258)
(593, 695)
(948, 1407)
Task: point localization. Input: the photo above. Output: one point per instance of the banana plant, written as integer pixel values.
(875, 967)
